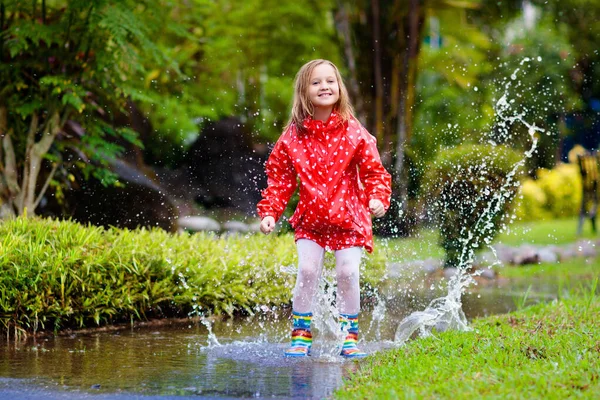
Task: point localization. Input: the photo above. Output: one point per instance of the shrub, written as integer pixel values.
(530, 202)
(556, 193)
(470, 188)
(60, 274)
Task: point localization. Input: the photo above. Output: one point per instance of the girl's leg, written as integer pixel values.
(347, 271)
(310, 265)
(347, 264)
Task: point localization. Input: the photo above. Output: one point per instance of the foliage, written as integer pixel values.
(452, 101)
(530, 202)
(556, 193)
(537, 63)
(580, 18)
(57, 275)
(239, 58)
(68, 69)
(471, 187)
(545, 351)
(472, 65)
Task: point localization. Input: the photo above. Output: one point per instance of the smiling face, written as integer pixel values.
(323, 89)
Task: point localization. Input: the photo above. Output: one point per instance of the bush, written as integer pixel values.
(60, 274)
(530, 202)
(556, 193)
(470, 191)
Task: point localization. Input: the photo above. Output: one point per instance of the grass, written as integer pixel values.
(565, 271)
(425, 243)
(554, 232)
(422, 246)
(549, 351)
(60, 274)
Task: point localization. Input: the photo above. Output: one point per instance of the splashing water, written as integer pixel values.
(326, 315)
(212, 338)
(378, 315)
(446, 313)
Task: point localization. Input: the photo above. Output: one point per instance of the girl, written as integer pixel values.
(341, 180)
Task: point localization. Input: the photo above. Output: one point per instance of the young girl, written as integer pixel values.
(341, 180)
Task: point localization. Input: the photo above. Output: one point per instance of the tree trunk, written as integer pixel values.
(9, 186)
(21, 198)
(406, 98)
(386, 156)
(36, 154)
(343, 27)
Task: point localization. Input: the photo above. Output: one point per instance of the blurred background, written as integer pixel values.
(162, 113)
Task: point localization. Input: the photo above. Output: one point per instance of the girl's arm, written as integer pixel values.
(376, 180)
(281, 183)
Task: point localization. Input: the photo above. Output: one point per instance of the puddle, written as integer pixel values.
(182, 362)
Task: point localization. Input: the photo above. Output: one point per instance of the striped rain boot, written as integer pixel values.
(301, 335)
(349, 323)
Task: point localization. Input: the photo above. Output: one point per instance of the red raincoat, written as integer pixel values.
(339, 170)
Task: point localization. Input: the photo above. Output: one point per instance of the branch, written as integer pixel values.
(51, 131)
(3, 120)
(35, 161)
(65, 117)
(10, 166)
(33, 127)
(46, 184)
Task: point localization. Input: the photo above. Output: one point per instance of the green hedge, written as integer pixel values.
(469, 193)
(60, 274)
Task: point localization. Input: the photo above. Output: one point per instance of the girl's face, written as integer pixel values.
(323, 88)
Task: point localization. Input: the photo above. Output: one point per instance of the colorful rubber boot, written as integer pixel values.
(301, 335)
(349, 323)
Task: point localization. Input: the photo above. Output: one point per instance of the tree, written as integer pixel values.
(67, 69)
(387, 37)
(238, 59)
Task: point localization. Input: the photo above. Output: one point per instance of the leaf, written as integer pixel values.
(130, 135)
(26, 109)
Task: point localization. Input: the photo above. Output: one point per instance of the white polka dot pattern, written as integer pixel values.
(339, 171)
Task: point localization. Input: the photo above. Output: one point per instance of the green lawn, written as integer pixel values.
(547, 351)
(425, 244)
(575, 269)
(557, 232)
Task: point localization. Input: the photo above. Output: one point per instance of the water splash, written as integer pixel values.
(445, 313)
(378, 315)
(211, 337)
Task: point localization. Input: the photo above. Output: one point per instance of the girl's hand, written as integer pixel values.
(377, 208)
(267, 225)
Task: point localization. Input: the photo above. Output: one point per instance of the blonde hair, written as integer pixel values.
(303, 107)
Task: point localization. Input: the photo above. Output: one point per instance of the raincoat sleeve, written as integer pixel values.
(281, 183)
(376, 180)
